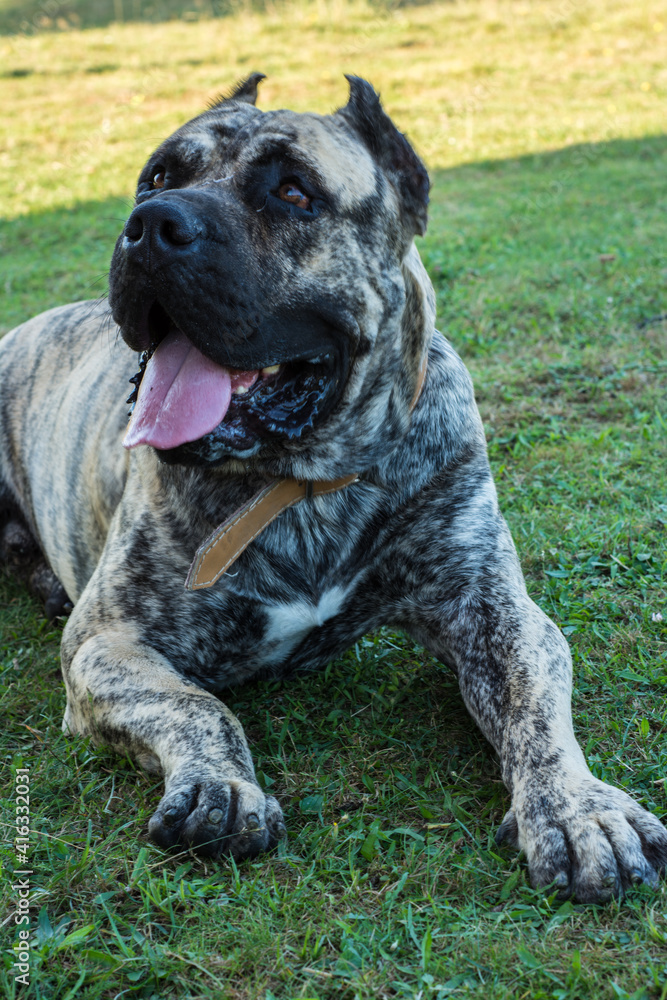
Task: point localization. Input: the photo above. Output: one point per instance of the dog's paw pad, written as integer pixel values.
(218, 817)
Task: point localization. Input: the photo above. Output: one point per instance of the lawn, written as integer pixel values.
(543, 126)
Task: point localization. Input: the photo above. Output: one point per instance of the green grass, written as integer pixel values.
(547, 248)
(32, 16)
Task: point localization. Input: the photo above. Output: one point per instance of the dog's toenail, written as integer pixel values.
(636, 876)
(215, 816)
(609, 880)
(169, 817)
(252, 821)
(561, 880)
(280, 830)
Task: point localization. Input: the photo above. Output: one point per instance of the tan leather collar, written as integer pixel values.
(228, 541)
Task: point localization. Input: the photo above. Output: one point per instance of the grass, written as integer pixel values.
(542, 126)
(31, 16)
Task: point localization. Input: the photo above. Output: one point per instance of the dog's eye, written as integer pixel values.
(289, 191)
(159, 179)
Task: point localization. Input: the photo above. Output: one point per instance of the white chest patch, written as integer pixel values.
(290, 623)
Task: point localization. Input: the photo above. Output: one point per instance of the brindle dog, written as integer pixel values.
(269, 274)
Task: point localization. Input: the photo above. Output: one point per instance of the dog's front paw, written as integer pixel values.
(590, 840)
(217, 817)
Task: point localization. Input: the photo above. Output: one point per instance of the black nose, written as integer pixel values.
(160, 228)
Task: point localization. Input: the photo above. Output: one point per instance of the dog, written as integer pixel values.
(304, 463)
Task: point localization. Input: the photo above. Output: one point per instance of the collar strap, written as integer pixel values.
(227, 542)
(214, 557)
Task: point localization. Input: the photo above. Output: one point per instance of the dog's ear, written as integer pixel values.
(245, 90)
(365, 113)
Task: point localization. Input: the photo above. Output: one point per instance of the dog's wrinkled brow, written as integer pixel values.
(283, 149)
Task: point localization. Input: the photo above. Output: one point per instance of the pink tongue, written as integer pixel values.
(183, 395)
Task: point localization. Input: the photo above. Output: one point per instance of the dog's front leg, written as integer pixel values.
(514, 668)
(123, 693)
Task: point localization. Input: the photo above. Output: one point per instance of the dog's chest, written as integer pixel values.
(306, 588)
(234, 632)
(289, 624)
(297, 597)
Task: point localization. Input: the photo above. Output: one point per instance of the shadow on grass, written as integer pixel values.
(58, 256)
(568, 241)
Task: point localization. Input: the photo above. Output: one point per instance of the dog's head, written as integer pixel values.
(268, 270)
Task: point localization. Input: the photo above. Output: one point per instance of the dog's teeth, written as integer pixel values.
(240, 390)
(271, 370)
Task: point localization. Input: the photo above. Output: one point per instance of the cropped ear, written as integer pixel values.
(390, 147)
(245, 90)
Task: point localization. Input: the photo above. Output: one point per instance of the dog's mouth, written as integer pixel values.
(182, 396)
